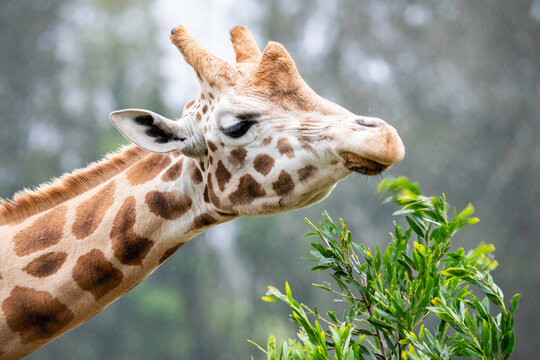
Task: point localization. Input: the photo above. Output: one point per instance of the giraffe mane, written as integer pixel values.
(29, 202)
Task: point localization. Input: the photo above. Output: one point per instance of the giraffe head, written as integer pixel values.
(264, 141)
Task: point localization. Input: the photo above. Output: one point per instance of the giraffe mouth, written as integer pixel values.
(362, 165)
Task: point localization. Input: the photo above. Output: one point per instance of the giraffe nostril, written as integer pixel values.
(368, 122)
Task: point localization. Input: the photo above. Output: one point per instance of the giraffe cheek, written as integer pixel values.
(284, 184)
(247, 191)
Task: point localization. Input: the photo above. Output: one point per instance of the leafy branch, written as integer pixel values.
(391, 292)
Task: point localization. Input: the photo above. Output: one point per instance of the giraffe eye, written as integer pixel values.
(238, 129)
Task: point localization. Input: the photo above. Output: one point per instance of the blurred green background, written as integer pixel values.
(460, 80)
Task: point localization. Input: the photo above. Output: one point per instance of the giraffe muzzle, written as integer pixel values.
(362, 165)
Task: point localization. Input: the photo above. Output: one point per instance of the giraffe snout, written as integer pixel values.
(367, 122)
(372, 147)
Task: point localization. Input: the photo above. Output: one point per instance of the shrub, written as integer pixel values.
(390, 293)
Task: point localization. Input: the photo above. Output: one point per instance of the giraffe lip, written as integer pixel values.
(362, 165)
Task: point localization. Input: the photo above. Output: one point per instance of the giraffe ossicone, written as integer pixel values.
(256, 141)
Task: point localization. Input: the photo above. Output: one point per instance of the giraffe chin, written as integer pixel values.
(362, 165)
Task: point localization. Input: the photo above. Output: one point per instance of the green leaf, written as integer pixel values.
(514, 302)
(508, 341)
(414, 226)
(456, 272)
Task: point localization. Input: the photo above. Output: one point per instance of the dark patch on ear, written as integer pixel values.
(145, 120)
(35, 315)
(161, 136)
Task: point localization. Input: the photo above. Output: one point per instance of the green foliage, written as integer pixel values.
(393, 294)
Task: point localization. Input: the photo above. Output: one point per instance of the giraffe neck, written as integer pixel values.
(63, 266)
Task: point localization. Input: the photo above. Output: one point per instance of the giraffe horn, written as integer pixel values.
(276, 66)
(211, 68)
(244, 44)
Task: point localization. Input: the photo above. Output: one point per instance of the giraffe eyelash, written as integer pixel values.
(237, 125)
(239, 129)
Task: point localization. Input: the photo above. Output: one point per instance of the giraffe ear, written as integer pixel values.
(149, 130)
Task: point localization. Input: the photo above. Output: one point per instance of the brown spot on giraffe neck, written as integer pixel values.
(263, 163)
(194, 173)
(285, 148)
(46, 264)
(169, 252)
(190, 104)
(128, 247)
(237, 156)
(169, 205)
(211, 145)
(35, 315)
(222, 175)
(91, 212)
(266, 141)
(173, 172)
(45, 231)
(248, 190)
(147, 169)
(306, 172)
(214, 199)
(94, 273)
(305, 143)
(284, 184)
(202, 221)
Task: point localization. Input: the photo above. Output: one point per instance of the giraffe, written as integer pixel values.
(256, 141)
